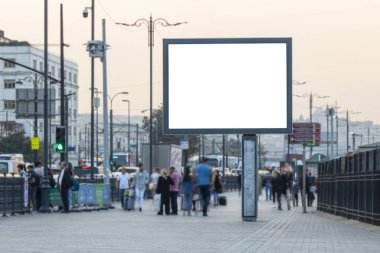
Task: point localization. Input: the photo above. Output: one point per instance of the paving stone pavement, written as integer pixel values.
(222, 231)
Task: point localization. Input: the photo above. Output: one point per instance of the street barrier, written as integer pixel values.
(349, 187)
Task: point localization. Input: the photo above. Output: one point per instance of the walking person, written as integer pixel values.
(175, 176)
(196, 191)
(122, 185)
(64, 184)
(216, 187)
(187, 190)
(154, 180)
(275, 182)
(204, 174)
(34, 181)
(239, 182)
(295, 190)
(282, 189)
(40, 171)
(163, 188)
(141, 179)
(268, 185)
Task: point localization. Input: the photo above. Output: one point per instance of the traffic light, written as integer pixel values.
(60, 139)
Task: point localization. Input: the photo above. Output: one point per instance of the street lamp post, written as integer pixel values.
(129, 131)
(151, 25)
(85, 14)
(348, 127)
(111, 121)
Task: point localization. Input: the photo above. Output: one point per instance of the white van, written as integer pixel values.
(12, 160)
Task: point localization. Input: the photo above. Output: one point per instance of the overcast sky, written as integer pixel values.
(336, 44)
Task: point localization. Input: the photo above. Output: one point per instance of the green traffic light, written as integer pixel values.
(59, 147)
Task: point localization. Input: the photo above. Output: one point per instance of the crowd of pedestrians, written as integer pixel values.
(282, 184)
(195, 184)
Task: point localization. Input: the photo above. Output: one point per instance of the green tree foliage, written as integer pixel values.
(159, 137)
(20, 144)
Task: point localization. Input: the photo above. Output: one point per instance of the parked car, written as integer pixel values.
(130, 170)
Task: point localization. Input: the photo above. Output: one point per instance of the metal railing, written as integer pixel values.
(349, 187)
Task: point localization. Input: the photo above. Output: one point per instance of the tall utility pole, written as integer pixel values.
(45, 187)
(151, 24)
(92, 125)
(331, 113)
(137, 144)
(327, 126)
(348, 130)
(62, 98)
(129, 131)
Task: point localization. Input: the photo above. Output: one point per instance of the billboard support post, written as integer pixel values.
(249, 178)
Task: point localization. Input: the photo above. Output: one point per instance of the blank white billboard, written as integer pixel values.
(227, 86)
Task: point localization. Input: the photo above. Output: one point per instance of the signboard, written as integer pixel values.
(184, 144)
(25, 99)
(176, 158)
(212, 71)
(35, 143)
(293, 157)
(306, 133)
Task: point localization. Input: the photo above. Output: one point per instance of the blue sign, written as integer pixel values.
(72, 148)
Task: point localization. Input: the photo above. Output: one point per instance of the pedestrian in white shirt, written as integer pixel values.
(122, 184)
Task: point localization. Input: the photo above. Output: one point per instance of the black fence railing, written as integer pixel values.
(12, 198)
(350, 187)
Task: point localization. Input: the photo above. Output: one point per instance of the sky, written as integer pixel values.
(336, 44)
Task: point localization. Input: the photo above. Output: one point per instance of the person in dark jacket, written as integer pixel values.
(275, 180)
(282, 188)
(163, 188)
(64, 184)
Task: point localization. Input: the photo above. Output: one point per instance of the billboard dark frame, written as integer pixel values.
(179, 131)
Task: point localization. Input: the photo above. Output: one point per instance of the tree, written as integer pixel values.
(18, 143)
(159, 137)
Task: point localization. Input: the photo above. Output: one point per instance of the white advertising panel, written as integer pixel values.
(227, 86)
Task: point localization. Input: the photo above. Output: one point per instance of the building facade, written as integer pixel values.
(14, 77)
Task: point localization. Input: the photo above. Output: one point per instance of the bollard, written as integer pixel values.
(5, 195)
(13, 194)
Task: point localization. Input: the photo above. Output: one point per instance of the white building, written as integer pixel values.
(10, 74)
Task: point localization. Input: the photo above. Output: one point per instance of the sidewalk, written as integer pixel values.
(222, 231)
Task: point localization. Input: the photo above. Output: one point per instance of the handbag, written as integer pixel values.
(151, 186)
(196, 197)
(75, 185)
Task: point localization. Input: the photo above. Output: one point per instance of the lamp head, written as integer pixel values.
(85, 12)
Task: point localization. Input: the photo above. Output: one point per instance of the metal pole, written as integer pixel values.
(151, 31)
(304, 180)
(327, 126)
(105, 107)
(368, 135)
(137, 144)
(311, 119)
(111, 133)
(348, 141)
(129, 133)
(337, 135)
(45, 187)
(353, 142)
(62, 98)
(35, 114)
(66, 153)
(224, 153)
(97, 130)
(92, 90)
(332, 131)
